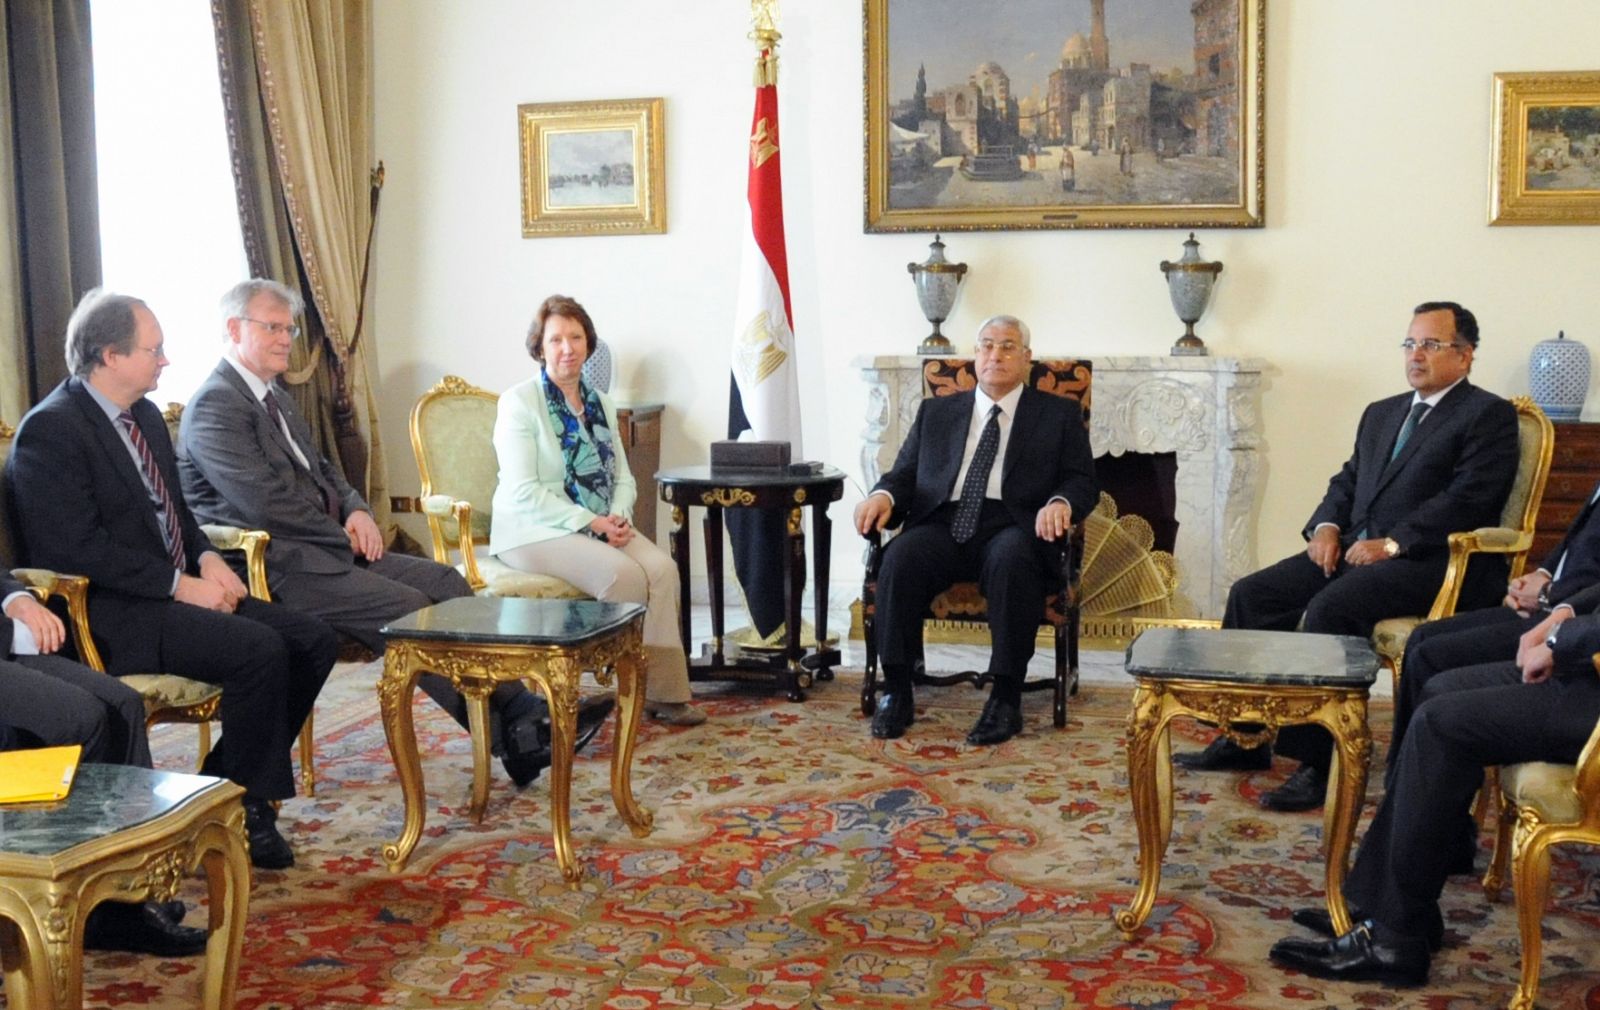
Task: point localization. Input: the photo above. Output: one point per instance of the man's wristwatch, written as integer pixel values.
(1550, 639)
(1391, 547)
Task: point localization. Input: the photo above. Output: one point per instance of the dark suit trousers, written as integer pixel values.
(368, 595)
(54, 702)
(1470, 718)
(1005, 560)
(1351, 602)
(270, 663)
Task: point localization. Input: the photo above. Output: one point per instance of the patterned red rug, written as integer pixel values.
(798, 863)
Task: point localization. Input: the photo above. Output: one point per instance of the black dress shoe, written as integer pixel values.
(1317, 919)
(527, 746)
(1223, 755)
(1306, 789)
(1001, 720)
(894, 714)
(1357, 956)
(269, 850)
(140, 929)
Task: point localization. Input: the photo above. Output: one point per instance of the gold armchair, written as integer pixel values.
(1544, 804)
(1513, 537)
(452, 435)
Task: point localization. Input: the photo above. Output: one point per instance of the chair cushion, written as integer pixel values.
(1389, 636)
(1549, 789)
(503, 580)
(166, 690)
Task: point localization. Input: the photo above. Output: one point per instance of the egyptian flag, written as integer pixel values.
(763, 397)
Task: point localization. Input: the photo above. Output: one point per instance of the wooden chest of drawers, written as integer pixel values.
(1573, 471)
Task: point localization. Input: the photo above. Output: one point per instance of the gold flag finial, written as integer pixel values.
(765, 34)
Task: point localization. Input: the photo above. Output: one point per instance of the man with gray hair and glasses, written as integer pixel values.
(985, 480)
(248, 459)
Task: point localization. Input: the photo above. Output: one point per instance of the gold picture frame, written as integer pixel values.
(593, 168)
(1546, 163)
(950, 148)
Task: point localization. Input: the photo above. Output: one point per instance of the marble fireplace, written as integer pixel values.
(1205, 410)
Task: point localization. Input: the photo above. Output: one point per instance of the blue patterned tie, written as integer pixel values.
(1412, 420)
(965, 523)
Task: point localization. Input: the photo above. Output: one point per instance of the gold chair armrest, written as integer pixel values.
(438, 508)
(254, 545)
(75, 590)
(1484, 540)
(1587, 780)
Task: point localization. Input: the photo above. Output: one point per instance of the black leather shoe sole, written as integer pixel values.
(269, 850)
(1223, 755)
(1301, 791)
(893, 717)
(1355, 957)
(1000, 721)
(1317, 919)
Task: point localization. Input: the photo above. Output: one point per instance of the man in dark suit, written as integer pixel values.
(1541, 707)
(984, 480)
(1438, 459)
(247, 458)
(96, 492)
(50, 701)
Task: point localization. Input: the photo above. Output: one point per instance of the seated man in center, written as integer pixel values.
(985, 480)
(248, 459)
(1438, 459)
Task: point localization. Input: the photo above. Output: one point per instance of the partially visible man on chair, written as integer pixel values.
(247, 458)
(96, 491)
(50, 701)
(1438, 459)
(984, 481)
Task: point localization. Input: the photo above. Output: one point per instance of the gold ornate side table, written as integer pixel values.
(123, 834)
(1228, 677)
(716, 490)
(479, 642)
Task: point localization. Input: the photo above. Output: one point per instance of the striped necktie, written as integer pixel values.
(171, 531)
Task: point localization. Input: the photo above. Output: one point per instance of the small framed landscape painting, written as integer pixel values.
(1546, 165)
(1064, 114)
(593, 168)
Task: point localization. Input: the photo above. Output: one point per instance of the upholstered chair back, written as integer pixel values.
(1536, 443)
(452, 435)
(1068, 377)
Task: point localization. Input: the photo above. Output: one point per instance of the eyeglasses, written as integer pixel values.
(158, 352)
(1430, 345)
(999, 348)
(275, 328)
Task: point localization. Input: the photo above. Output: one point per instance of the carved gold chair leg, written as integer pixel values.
(205, 745)
(1494, 878)
(308, 756)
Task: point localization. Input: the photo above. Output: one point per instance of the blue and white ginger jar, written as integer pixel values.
(1558, 377)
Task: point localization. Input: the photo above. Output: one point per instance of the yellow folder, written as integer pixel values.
(38, 775)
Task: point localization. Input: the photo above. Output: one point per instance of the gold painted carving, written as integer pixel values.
(727, 497)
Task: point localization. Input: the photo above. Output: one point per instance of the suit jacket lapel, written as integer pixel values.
(961, 421)
(117, 453)
(1432, 422)
(231, 376)
(1021, 422)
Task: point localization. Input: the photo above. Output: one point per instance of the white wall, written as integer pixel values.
(1378, 132)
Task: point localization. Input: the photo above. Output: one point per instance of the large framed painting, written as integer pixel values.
(1546, 165)
(1064, 114)
(593, 168)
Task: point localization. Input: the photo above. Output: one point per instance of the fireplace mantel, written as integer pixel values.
(1205, 410)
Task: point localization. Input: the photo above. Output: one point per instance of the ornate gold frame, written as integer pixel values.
(1510, 200)
(646, 215)
(1249, 212)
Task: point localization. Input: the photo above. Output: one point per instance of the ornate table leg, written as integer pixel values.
(395, 688)
(821, 535)
(794, 572)
(714, 579)
(227, 868)
(561, 682)
(477, 694)
(679, 544)
(1150, 788)
(1346, 718)
(631, 682)
(40, 964)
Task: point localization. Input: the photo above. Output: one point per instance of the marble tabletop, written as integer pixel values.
(703, 474)
(512, 620)
(1267, 658)
(104, 799)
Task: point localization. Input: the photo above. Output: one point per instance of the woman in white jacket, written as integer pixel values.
(564, 504)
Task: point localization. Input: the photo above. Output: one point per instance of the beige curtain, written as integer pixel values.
(49, 199)
(312, 69)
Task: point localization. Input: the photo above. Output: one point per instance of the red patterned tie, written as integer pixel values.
(171, 530)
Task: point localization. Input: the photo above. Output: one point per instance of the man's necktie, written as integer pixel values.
(968, 508)
(1412, 420)
(171, 531)
(329, 505)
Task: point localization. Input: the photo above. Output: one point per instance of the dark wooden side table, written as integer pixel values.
(1574, 468)
(1232, 676)
(641, 440)
(691, 486)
